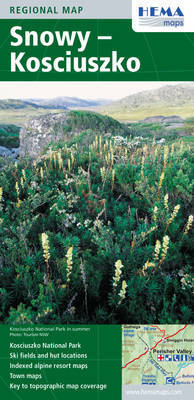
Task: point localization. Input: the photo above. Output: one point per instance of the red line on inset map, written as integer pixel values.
(161, 340)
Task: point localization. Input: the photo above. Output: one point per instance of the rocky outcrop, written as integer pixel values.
(39, 132)
(5, 153)
(173, 119)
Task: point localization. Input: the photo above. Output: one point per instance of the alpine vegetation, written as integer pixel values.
(98, 229)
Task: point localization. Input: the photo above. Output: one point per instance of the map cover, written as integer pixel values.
(96, 199)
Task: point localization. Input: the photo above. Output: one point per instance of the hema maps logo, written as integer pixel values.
(163, 15)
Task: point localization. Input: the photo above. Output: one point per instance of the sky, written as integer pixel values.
(84, 90)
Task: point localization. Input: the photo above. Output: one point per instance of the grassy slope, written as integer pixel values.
(168, 100)
(127, 114)
(20, 116)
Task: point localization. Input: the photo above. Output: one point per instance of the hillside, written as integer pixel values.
(64, 103)
(14, 104)
(167, 100)
(17, 112)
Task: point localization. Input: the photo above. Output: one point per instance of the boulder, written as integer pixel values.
(39, 132)
(4, 152)
(9, 153)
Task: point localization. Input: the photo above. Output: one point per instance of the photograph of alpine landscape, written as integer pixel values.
(96, 206)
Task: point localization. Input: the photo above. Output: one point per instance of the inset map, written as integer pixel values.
(158, 354)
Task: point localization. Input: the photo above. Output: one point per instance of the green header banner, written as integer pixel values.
(92, 50)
